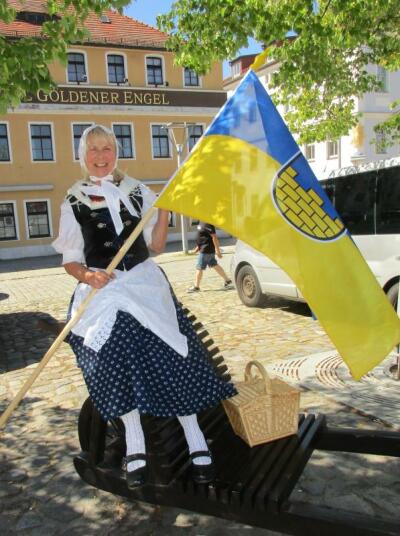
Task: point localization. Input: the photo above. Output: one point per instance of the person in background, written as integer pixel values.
(137, 349)
(207, 245)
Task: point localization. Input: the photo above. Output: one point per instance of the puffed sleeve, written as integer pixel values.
(148, 199)
(70, 240)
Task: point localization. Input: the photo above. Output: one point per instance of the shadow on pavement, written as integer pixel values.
(30, 263)
(285, 304)
(41, 492)
(22, 340)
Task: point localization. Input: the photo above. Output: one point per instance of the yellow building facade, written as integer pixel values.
(129, 85)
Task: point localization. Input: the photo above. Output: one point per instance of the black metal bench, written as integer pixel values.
(252, 485)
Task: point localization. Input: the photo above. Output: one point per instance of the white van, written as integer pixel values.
(368, 201)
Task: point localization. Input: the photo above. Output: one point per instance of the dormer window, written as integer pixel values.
(154, 70)
(105, 19)
(32, 17)
(76, 67)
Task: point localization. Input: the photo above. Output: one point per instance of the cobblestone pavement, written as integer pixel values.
(40, 492)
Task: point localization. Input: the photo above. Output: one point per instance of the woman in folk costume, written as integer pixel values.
(137, 350)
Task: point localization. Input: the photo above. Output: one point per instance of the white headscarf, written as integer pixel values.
(113, 195)
(83, 144)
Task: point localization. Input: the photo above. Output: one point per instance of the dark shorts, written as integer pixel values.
(206, 259)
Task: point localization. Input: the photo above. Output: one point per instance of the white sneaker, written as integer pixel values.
(193, 288)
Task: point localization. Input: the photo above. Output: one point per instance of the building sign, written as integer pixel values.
(128, 97)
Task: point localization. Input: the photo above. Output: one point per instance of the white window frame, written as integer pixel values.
(307, 145)
(236, 69)
(30, 123)
(7, 124)
(195, 125)
(385, 88)
(111, 53)
(49, 215)
(14, 204)
(78, 51)
(163, 158)
(164, 73)
(335, 155)
(132, 137)
(200, 78)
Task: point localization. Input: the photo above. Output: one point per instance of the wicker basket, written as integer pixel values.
(264, 409)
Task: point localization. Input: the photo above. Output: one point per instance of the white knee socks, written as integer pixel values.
(134, 438)
(135, 443)
(194, 437)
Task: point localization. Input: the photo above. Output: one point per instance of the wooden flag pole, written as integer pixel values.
(50, 352)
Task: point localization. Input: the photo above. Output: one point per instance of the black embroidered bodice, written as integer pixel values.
(101, 243)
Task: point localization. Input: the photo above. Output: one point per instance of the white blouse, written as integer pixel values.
(142, 291)
(70, 239)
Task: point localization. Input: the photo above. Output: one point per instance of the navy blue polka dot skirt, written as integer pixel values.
(136, 369)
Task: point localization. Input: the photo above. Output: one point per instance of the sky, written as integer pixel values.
(147, 11)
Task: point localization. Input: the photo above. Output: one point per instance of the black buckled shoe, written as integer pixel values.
(202, 474)
(137, 477)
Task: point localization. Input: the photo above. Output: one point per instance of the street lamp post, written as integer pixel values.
(185, 245)
(179, 148)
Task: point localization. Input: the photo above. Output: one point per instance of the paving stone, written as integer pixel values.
(47, 529)
(9, 491)
(58, 509)
(311, 486)
(352, 503)
(8, 521)
(7, 454)
(29, 521)
(83, 529)
(149, 530)
(389, 508)
(13, 475)
(18, 503)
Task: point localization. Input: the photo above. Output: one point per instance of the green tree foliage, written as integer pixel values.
(322, 69)
(25, 60)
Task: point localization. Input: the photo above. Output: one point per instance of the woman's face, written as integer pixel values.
(100, 156)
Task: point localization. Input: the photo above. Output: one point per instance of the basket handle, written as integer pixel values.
(248, 377)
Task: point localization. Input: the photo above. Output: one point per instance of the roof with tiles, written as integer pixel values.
(111, 28)
(34, 6)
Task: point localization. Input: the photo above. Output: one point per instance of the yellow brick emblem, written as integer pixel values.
(304, 208)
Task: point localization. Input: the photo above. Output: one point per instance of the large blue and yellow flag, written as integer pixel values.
(247, 175)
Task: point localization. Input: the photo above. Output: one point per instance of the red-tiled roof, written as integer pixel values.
(34, 6)
(121, 30)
